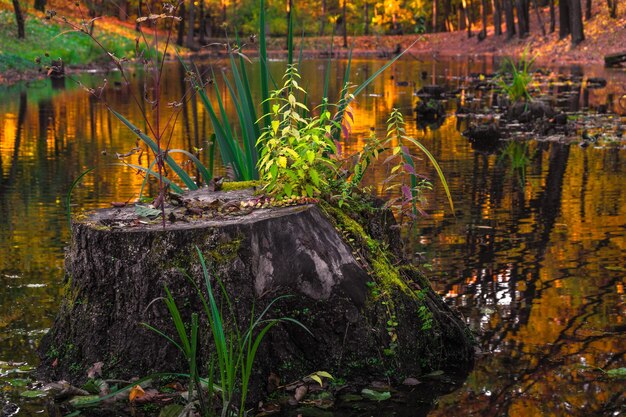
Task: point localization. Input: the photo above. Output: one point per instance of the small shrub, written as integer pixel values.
(515, 78)
(294, 159)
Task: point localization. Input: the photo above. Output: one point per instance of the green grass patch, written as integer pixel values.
(44, 36)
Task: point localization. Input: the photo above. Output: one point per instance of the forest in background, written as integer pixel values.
(205, 19)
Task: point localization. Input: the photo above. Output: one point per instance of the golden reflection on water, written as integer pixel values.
(538, 270)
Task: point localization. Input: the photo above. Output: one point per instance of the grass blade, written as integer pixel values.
(68, 197)
(203, 170)
(185, 178)
(155, 174)
(433, 161)
(265, 91)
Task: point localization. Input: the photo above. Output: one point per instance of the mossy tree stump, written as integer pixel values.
(369, 315)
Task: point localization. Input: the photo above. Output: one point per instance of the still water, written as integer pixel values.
(534, 257)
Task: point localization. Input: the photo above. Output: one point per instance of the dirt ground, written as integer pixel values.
(603, 35)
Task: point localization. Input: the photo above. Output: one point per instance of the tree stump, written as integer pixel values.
(363, 324)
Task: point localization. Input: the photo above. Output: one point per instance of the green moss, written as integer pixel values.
(240, 185)
(386, 274)
(226, 252)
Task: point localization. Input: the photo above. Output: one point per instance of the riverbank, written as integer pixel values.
(17, 57)
(603, 35)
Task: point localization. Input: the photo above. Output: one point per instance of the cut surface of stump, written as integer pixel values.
(366, 318)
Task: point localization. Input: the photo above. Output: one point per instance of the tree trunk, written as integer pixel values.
(202, 23)
(483, 12)
(497, 16)
(139, 14)
(552, 17)
(345, 24)
(435, 12)
(40, 5)
(588, 10)
(366, 18)
(470, 10)
(468, 18)
(509, 19)
(447, 12)
(576, 22)
(19, 19)
(539, 19)
(613, 8)
(123, 10)
(522, 18)
(323, 19)
(190, 25)
(564, 19)
(181, 25)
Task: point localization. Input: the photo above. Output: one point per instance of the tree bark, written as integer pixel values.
(552, 17)
(612, 8)
(576, 22)
(468, 18)
(123, 10)
(588, 9)
(190, 25)
(509, 19)
(483, 12)
(202, 23)
(323, 19)
(522, 18)
(40, 5)
(345, 24)
(180, 38)
(19, 19)
(366, 18)
(447, 13)
(435, 13)
(497, 16)
(139, 14)
(539, 19)
(564, 20)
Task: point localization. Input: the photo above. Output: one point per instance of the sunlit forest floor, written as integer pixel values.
(603, 34)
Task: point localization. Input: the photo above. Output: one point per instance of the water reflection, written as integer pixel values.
(533, 258)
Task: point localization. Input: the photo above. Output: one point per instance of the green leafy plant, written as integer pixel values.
(243, 155)
(404, 165)
(235, 348)
(295, 156)
(515, 78)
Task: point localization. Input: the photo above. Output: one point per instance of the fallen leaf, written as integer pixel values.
(411, 381)
(300, 392)
(172, 410)
(32, 394)
(375, 395)
(135, 393)
(95, 370)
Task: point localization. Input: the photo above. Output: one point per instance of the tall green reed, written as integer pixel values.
(243, 155)
(235, 347)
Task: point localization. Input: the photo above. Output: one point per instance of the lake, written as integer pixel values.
(534, 257)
